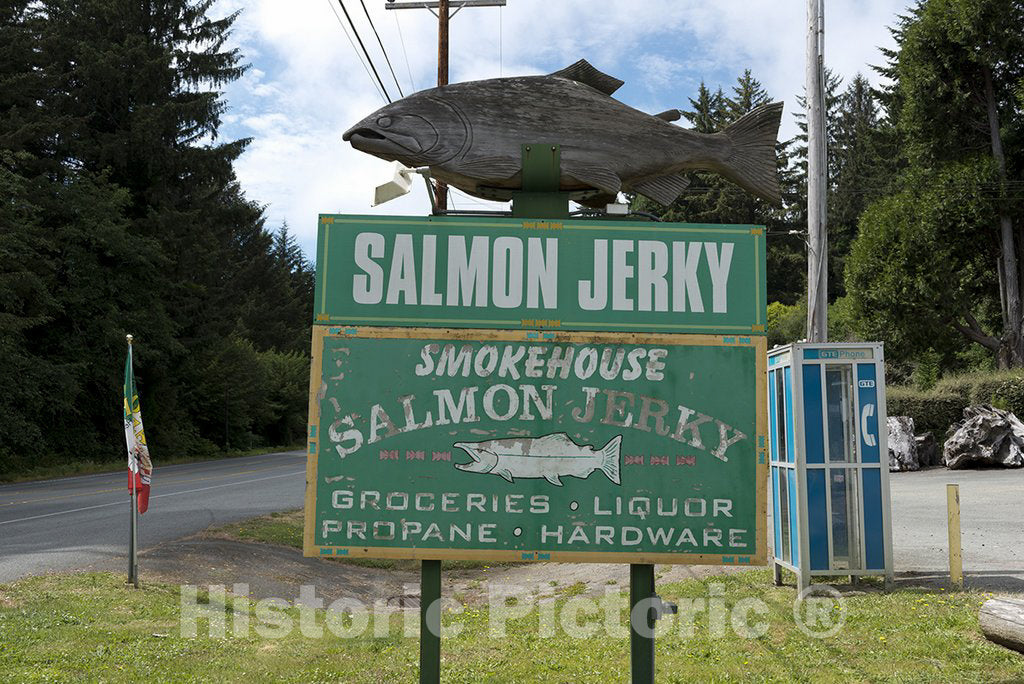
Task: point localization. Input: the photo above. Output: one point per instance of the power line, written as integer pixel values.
(475, 200)
(408, 68)
(365, 51)
(381, 43)
(444, 14)
(330, 3)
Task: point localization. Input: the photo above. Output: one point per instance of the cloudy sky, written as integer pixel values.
(306, 84)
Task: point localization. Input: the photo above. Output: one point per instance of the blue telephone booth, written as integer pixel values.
(829, 461)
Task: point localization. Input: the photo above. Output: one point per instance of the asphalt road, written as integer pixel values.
(82, 522)
(79, 522)
(991, 524)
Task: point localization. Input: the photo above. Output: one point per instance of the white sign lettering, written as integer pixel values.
(511, 272)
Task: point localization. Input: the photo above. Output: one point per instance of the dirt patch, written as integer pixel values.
(551, 580)
(269, 570)
(7, 602)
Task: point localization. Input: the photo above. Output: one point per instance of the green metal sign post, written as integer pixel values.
(537, 390)
(430, 621)
(641, 622)
(540, 198)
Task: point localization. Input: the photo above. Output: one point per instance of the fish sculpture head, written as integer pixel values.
(410, 131)
(483, 461)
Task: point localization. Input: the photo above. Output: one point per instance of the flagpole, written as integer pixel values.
(133, 560)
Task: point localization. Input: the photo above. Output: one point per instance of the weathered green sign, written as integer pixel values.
(542, 445)
(441, 272)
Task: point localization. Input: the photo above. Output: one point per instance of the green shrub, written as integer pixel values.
(933, 411)
(940, 407)
(842, 321)
(1004, 389)
(927, 371)
(786, 323)
(1010, 395)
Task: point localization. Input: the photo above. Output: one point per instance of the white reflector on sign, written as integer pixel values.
(399, 185)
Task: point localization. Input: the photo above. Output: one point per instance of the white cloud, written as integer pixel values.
(307, 86)
(659, 72)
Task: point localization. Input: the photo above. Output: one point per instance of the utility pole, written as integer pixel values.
(817, 176)
(442, 80)
(442, 10)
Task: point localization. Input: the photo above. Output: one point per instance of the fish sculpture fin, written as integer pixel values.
(669, 115)
(600, 177)
(553, 479)
(495, 167)
(506, 474)
(584, 72)
(610, 459)
(664, 190)
(752, 164)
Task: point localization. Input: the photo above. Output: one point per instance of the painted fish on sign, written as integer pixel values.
(550, 457)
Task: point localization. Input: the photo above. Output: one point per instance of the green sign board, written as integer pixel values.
(504, 273)
(536, 445)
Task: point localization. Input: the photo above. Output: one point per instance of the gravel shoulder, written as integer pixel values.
(274, 570)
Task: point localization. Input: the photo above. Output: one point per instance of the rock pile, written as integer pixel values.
(987, 436)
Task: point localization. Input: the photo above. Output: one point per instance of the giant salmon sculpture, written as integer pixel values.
(470, 134)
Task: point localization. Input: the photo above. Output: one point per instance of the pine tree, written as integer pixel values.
(862, 163)
(711, 199)
(709, 110)
(121, 213)
(954, 104)
(833, 98)
(66, 261)
(748, 95)
(137, 86)
(858, 167)
(301, 275)
(275, 282)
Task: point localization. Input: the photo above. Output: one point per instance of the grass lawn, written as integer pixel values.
(89, 627)
(277, 528)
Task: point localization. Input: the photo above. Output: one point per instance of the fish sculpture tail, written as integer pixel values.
(752, 164)
(610, 459)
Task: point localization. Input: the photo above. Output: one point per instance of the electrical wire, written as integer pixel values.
(381, 43)
(474, 200)
(408, 68)
(330, 3)
(387, 96)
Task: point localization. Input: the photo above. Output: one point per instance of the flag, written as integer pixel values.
(139, 464)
